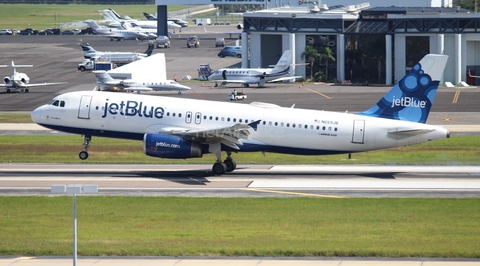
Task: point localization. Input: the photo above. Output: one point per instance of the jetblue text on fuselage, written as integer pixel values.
(132, 108)
(408, 102)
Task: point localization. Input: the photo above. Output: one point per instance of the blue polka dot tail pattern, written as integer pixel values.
(410, 99)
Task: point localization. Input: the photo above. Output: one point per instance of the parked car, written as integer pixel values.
(87, 31)
(235, 51)
(76, 31)
(6, 32)
(15, 32)
(29, 31)
(45, 32)
(68, 32)
(219, 42)
(193, 41)
(162, 41)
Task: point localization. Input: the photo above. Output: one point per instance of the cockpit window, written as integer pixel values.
(55, 103)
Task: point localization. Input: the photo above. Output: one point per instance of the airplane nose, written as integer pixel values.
(36, 115)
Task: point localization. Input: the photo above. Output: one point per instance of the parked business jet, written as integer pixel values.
(105, 80)
(89, 52)
(186, 128)
(20, 80)
(258, 76)
(116, 34)
(177, 21)
(152, 33)
(115, 19)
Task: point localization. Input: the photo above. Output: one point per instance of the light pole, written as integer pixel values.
(74, 190)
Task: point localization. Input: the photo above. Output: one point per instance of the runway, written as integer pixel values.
(327, 181)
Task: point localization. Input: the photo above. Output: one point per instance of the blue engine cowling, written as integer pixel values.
(168, 146)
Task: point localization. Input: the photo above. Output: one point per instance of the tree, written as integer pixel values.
(310, 55)
(326, 56)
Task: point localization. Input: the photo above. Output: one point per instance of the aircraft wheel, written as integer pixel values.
(239, 56)
(8, 90)
(83, 155)
(27, 91)
(219, 168)
(231, 165)
(179, 93)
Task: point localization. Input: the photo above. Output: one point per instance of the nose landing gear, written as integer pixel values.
(83, 155)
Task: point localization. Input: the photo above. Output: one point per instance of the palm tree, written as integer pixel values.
(325, 57)
(310, 54)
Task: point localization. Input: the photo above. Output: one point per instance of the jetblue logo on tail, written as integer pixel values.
(410, 99)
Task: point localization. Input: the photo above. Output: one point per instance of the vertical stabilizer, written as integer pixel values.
(284, 62)
(412, 97)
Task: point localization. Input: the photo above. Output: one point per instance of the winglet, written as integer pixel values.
(411, 99)
(254, 124)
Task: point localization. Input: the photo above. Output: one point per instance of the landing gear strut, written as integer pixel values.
(83, 155)
(218, 167)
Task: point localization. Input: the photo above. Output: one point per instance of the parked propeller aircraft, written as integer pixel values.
(258, 76)
(186, 128)
(116, 34)
(20, 80)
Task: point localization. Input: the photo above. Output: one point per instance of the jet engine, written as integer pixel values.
(169, 146)
(6, 80)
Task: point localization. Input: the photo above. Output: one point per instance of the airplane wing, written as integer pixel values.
(231, 80)
(44, 84)
(6, 85)
(138, 89)
(229, 136)
(286, 79)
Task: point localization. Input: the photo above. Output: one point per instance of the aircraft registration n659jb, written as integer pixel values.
(184, 128)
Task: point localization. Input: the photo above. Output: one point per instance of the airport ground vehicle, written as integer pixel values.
(107, 61)
(219, 42)
(237, 96)
(202, 22)
(162, 41)
(235, 51)
(193, 41)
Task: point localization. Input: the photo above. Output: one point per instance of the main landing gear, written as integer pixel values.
(83, 155)
(228, 165)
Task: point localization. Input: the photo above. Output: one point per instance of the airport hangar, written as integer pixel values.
(377, 45)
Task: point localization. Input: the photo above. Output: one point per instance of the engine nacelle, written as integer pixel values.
(6, 80)
(168, 146)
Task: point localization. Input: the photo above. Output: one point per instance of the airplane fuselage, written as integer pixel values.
(281, 130)
(248, 75)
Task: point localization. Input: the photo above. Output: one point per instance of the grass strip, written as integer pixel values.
(175, 226)
(461, 150)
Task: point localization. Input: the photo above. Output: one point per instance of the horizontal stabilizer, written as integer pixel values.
(410, 131)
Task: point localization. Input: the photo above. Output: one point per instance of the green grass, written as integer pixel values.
(152, 226)
(64, 149)
(15, 118)
(20, 16)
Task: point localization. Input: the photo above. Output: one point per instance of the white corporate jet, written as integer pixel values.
(148, 74)
(187, 128)
(116, 34)
(152, 33)
(259, 76)
(89, 52)
(20, 80)
(113, 20)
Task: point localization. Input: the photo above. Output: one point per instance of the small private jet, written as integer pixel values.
(259, 76)
(89, 52)
(20, 81)
(179, 128)
(116, 34)
(114, 20)
(148, 74)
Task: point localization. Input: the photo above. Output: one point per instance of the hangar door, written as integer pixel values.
(271, 49)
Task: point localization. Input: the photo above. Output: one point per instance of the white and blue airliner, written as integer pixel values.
(185, 128)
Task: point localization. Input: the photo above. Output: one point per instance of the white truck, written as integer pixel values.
(202, 22)
(107, 61)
